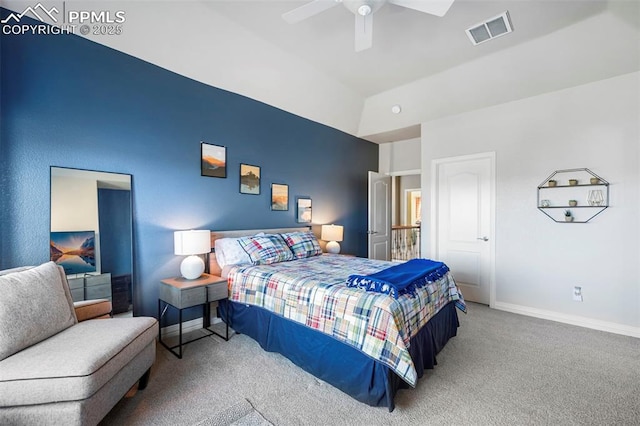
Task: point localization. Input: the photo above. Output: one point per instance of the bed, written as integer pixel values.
(294, 300)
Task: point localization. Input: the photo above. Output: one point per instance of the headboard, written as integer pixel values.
(214, 268)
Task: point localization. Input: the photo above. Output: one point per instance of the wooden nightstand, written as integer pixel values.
(217, 291)
(181, 294)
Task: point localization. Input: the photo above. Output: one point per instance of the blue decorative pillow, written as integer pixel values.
(302, 244)
(266, 249)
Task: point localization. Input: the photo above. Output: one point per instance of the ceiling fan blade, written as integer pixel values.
(364, 32)
(306, 11)
(432, 7)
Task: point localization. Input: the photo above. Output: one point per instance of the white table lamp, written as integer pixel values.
(332, 234)
(191, 243)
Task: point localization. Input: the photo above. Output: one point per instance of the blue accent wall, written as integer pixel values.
(69, 102)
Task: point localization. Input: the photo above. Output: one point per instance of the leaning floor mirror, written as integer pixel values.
(92, 234)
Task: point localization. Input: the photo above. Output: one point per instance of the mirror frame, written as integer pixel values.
(106, 184)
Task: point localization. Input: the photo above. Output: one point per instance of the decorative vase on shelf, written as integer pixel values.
(573, 203)
(594, 181)
(573, 182)
(595, 197)
(552, 183)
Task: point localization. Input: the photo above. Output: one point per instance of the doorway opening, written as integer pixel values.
(406, 206)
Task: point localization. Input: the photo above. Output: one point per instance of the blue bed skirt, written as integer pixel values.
(336, 363)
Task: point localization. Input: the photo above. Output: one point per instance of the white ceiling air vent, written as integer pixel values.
(490, 29)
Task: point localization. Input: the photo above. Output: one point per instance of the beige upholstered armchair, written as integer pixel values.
(59, 364)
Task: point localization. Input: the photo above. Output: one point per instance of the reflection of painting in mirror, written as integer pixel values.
(98, 202)
(249, 179)
(74, 251)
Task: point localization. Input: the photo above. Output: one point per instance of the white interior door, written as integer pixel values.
(463, 207)
(379, 230)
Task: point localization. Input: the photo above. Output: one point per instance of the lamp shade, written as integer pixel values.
(191, 242)
(331, 233)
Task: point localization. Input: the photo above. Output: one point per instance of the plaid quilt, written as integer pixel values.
(313, 292)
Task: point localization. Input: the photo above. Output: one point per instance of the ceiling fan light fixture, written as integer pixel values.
(364, 10)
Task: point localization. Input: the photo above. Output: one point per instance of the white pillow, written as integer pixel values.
(229, 252)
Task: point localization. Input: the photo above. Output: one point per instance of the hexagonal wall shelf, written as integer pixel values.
(573, 195)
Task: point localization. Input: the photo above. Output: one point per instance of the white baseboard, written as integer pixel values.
(607, 326)
(611, 327)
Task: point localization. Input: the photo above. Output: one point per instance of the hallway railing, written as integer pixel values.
(405, 242)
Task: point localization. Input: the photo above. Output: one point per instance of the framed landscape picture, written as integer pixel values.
(249, 179)
(303, 214)
(213, 160)
(279, 196)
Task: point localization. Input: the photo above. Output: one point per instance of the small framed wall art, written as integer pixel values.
(303, 213)
(249, 179)
(213, 160)
(279, 196)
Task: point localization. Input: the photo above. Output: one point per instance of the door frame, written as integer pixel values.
(434, 222)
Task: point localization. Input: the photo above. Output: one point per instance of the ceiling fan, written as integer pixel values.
(363, 10)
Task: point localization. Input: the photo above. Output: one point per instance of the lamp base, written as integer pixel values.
(192, 267)
(333, 247)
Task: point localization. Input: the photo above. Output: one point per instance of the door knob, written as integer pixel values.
(372, 232)
(483, 238)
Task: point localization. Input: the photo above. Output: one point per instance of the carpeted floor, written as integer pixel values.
(239, 414)
(501, 369)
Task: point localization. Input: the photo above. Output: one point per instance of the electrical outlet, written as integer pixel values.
(577, 294)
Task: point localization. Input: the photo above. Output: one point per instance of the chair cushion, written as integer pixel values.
(73, 364)
(35, 304)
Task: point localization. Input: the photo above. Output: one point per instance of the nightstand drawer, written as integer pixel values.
(183, 298)
(217, 291)
(76, 283)
(93, 280)
(98, 292)
(77, 294)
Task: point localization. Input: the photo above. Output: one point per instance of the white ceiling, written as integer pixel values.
(311, 69)
(407, 44)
